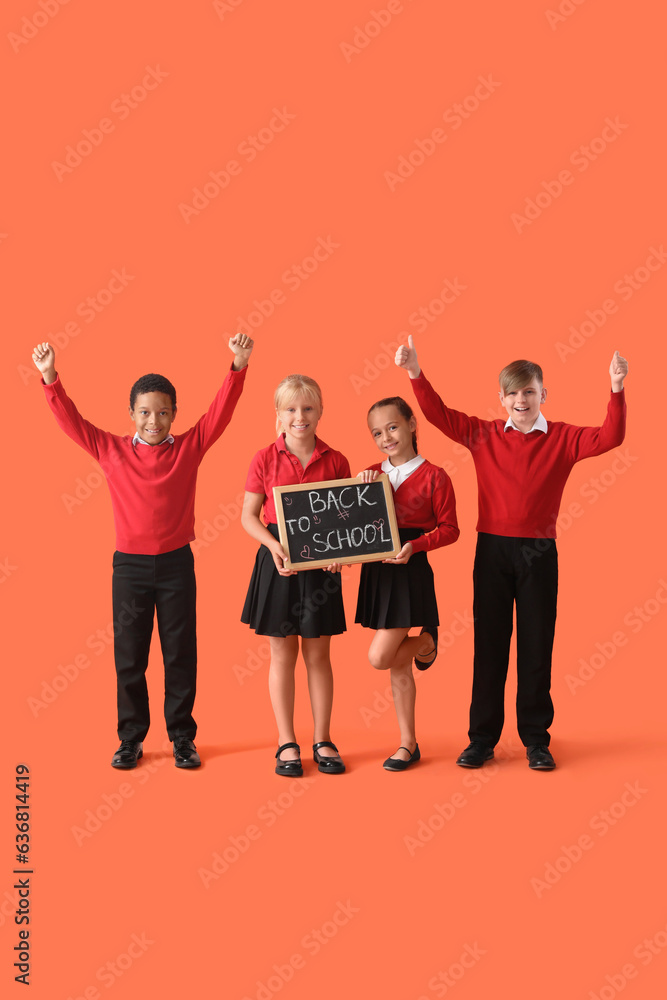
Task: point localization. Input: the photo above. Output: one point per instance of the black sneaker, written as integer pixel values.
(539, 757)
(127, 754)
(474, 755)
(185, 753)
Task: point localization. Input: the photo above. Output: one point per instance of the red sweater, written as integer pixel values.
(426, 500)
(152, 486)
(521, 477)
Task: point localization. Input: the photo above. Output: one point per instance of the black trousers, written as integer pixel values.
(141, 586)
(508, 571)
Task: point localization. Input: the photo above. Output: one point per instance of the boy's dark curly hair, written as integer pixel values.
(152, 383)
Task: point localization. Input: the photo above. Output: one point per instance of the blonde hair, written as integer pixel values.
(518, 375)
(293, 386)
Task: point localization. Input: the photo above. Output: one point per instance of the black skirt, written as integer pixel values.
(309, 604)
(398, 596)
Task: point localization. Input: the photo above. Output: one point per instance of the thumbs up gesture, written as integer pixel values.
(618, 369)
(406, 357)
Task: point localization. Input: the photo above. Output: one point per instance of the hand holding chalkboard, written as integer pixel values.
(343, 521)
(402, 556)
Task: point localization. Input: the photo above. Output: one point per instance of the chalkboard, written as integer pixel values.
(343, 521)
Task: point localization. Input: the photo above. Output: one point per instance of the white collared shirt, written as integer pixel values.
(399, 473)
(139, 440)
(539, 425)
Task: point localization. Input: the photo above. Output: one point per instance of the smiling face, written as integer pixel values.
(153, 416)
(523, 405)
(300, 417)
(392, 433)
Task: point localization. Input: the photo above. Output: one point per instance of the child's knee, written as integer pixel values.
(378, 659)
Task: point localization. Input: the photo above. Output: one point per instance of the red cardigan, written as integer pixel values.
(426, 500)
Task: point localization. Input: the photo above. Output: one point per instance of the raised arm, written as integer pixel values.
(44, 358)
(456, 425)
(406, 357)
(81, 431)
(586, 442)
(618, 370)
(212, 424)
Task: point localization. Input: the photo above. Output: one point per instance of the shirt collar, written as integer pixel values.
(539, 425)
(320, 447)
(399, 473)
(138, 440)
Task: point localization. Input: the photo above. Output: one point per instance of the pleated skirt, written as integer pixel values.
(398, 596)
(309, 604)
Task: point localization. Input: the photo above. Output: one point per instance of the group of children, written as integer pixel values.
(522, 465)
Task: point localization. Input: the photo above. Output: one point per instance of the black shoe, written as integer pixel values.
(425, 664)
(292, 768)
(185, 753)
(539, 757)
(396, 764)
(127, 754)
(328, 765)
(474, 755)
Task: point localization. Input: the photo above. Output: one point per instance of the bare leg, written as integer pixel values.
(404, 692)
(391, 646)
(320, 687)
(393, 649)
(281, 689)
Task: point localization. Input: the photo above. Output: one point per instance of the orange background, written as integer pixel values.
(409, 913)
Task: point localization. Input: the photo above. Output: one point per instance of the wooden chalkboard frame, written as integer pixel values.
(383, 479)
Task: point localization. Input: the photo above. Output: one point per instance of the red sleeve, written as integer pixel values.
(208, 428)
(585, 442)
(343, 470)
(456, 425)
(68, 418)
(444, 509)
(255, 481)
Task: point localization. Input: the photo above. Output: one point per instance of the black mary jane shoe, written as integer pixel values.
(425, 664)
(396, 764)
(292, 768)
(328, 765)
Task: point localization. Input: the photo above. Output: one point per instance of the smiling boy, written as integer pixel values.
(522, 466)
(152, 478)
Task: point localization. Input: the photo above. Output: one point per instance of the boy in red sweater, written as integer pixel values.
(522, 466)
(152, 479)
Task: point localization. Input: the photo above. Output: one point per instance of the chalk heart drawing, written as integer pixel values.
(379, 523)
(305, 552)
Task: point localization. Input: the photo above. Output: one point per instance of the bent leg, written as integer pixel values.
(393, 647)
